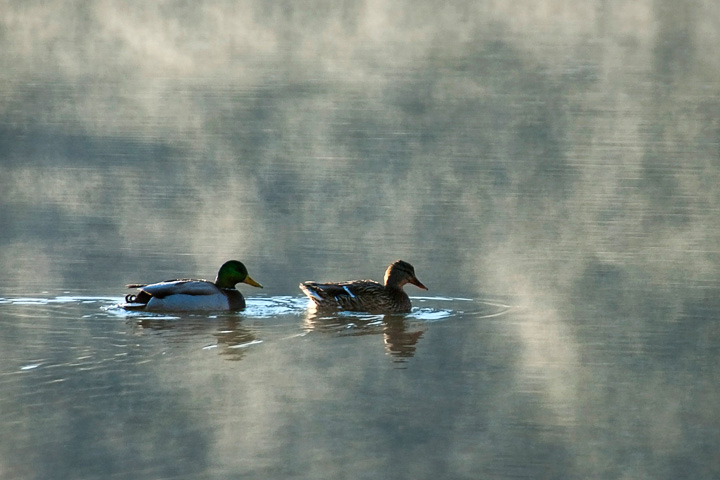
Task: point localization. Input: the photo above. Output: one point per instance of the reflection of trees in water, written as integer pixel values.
(399, 336)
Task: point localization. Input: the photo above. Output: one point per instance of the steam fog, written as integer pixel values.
(502, 142)
(564, 155)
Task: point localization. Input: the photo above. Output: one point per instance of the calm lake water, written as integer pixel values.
(551, 170)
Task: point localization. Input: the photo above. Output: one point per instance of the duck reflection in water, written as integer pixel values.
(231, 336)
(233, 340)
(399, 341)
(399, 337)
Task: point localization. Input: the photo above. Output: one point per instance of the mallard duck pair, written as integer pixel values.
(203, 295)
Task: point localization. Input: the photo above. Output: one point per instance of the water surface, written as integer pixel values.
(551, 171)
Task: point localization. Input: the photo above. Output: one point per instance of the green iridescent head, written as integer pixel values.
(233, 272)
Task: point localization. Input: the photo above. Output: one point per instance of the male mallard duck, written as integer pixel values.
(188, 294)
(367, 295)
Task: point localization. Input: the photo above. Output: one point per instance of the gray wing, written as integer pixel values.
(181, 287)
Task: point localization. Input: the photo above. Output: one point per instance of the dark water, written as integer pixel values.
(550, 169)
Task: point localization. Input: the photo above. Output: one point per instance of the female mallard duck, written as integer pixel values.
(367, 295)
(189, 295)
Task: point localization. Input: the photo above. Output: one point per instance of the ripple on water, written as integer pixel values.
(426, 309)
(55, 300)
(265, 307)
(431, 309)
(257, 307)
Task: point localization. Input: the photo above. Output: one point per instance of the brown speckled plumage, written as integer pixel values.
(367, 295)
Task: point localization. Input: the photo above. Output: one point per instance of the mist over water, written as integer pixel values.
(561, 159)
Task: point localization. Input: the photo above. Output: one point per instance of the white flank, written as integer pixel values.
(185, 303)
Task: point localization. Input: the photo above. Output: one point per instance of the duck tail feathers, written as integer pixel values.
(310, 289)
